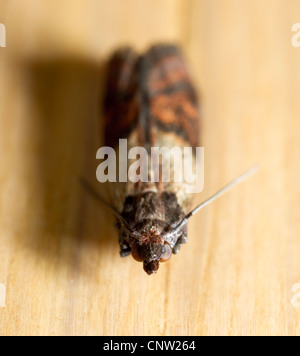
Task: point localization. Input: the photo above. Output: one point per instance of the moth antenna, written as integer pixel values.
(96, 195)
(222, 191)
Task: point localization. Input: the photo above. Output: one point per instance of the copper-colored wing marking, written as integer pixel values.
(172, 96)
(153, 90)
(121, 103)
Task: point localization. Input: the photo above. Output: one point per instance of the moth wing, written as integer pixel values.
(173, 112)
(121, 104)
(122, 111)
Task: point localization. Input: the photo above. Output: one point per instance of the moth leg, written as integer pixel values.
(124, 253)
(125, 249)
(181, 240)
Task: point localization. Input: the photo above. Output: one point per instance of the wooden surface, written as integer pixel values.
(59, 256)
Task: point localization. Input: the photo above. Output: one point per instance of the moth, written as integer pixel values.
(151, 101)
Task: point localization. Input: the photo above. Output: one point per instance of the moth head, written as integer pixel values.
(151, 251)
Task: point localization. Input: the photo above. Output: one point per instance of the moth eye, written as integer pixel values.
(135, 252)
(167, 253)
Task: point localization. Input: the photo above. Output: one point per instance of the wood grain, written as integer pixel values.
(58, 247)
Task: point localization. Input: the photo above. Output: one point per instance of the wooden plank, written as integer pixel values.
(58, 248)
